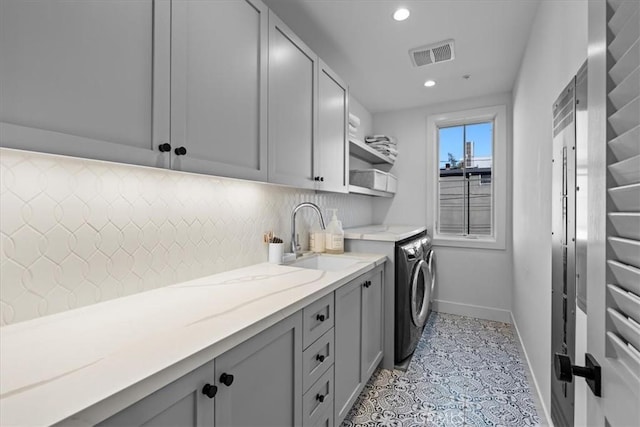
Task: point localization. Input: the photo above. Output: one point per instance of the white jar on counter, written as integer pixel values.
(317, 239)
(334, 238)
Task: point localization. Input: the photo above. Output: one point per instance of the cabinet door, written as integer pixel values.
(292, 112)
(372, 326)
(181, 403)
(331, 153)
(348, 361)
(219, 87)
(86, 78)
(266, 389)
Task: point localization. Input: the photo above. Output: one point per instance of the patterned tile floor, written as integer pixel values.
(465, 371)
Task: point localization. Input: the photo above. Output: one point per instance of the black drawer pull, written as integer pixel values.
(226, 379)
(164, 147)
(319, 398)
(210, 390)
(320, 317)
(180, 151)
(320, 358)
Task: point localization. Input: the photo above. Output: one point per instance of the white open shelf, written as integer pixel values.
(363, 151)
(369, 192)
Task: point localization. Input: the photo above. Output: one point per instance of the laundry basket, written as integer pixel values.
(369, 178)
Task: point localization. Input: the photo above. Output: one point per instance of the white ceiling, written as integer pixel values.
(367, 48)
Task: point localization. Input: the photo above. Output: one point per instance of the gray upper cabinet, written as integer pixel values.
(358, 337)
(183, 403)
(219, 87)
(86, 78)
(260, 381)
(292, 112)
(331, 152)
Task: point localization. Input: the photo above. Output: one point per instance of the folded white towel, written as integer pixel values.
(381, 145)
(380, 138)
(354, 120)
(353, 129)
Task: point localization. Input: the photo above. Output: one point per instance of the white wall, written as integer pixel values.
(557, 47)
(75, 232)
(365, 128)
(474, 282)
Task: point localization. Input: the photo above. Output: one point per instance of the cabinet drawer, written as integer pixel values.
(318, 400)
(317, 319)
(316, 359)
(325, 420)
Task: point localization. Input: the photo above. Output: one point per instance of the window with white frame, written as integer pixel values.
(468, 177)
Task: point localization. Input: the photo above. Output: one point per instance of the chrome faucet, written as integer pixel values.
(295, 245)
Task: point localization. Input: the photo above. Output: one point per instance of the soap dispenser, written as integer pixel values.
(334, 243)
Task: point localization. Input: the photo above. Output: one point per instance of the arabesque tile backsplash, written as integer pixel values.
(75, 232)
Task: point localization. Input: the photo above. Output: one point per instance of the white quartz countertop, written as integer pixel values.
(91, 362)
(385, 233)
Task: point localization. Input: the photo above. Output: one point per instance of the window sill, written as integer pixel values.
(468, 242)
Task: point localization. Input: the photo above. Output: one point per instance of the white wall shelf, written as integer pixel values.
(369, 192)
(362, 151)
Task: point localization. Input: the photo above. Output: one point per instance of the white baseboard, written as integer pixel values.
(477, 311)
(532, 378)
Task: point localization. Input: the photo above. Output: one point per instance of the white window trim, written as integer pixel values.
(497, 114)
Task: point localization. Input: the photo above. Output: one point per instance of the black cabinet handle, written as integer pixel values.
(210, 390)
(226, 379)
(316, 178)
(320, 358)
(322, 178)
(180, 151)
(367, 283)
(319, 398)
(320, 317)
(164, 147)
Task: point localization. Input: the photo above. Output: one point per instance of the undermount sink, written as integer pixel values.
(325, 262)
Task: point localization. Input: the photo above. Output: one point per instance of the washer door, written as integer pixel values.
(431, 263)
(420, 293)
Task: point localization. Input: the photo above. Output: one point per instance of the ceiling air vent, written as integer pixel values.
(432, 54)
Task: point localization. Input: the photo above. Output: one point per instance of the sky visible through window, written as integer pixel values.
(451, 140)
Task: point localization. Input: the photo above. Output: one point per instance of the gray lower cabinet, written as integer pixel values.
(260, 381)
(272, 379)
(86, 78)
(358, 337)
(219, 87)
(372, 322)
(181, 403)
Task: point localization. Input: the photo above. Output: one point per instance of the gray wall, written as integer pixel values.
(474, 282)
(556, 49)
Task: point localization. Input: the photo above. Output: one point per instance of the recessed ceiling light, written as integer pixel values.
(401, 14)
(430, 83)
